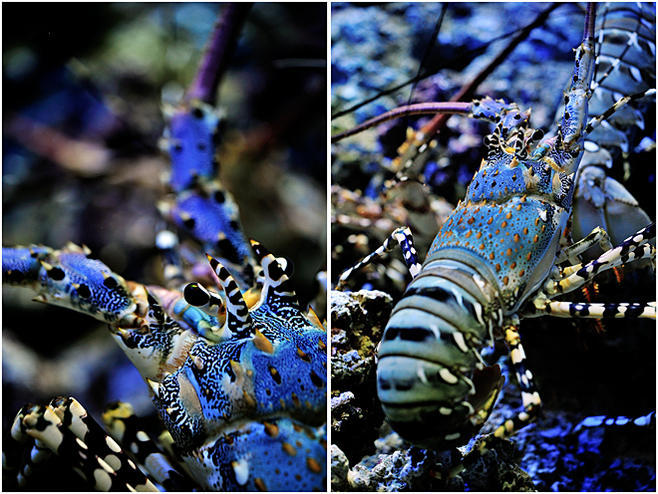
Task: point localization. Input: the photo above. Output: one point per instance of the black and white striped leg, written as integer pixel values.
(128, 430)
(646, 310)
(633, 248)
(64, 427)
(24, 456)
(400, 236)
(595, 121)
(529, 394)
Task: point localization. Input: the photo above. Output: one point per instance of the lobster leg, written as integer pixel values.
(595, 121)
(126, 428)
(24, 457)
(65, 428)
(400, 235)
(600, 311)
(597, 236)
(529, 395)
(633, 248)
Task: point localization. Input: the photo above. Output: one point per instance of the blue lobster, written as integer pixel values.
(237, 373)
(497, 259)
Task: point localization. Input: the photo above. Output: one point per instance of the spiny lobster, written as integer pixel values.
(236, 375)
(495, 260)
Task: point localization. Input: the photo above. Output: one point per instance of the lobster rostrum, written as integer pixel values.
(236, 372)
(496, 260)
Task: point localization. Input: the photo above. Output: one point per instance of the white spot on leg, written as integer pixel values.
(448, 376)
(530, 399)
(113, 461)
(111, 443)
(103, 481)
(459, 340)
(241, 469)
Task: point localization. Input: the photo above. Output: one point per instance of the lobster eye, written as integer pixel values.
(196, 295)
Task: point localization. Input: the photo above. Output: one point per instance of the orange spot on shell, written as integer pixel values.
(289, 449)
(313, 465)
(516, 237)
(535, 239)
(509, 252)
(505, 280)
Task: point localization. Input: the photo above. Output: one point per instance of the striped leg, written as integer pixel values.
(65, 428)
(633, 248)
(529, 395)
(404, 239)
(595, 121)
(599, 311)
(128, 429)
(24, 456)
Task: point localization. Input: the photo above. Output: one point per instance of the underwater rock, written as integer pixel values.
(339, 469)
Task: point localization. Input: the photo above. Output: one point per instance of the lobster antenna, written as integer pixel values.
(590, 20)
(216, 55)
(406, 110)
(428, 51)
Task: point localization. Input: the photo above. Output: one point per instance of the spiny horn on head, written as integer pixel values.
(238, 321)
(277, 282)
